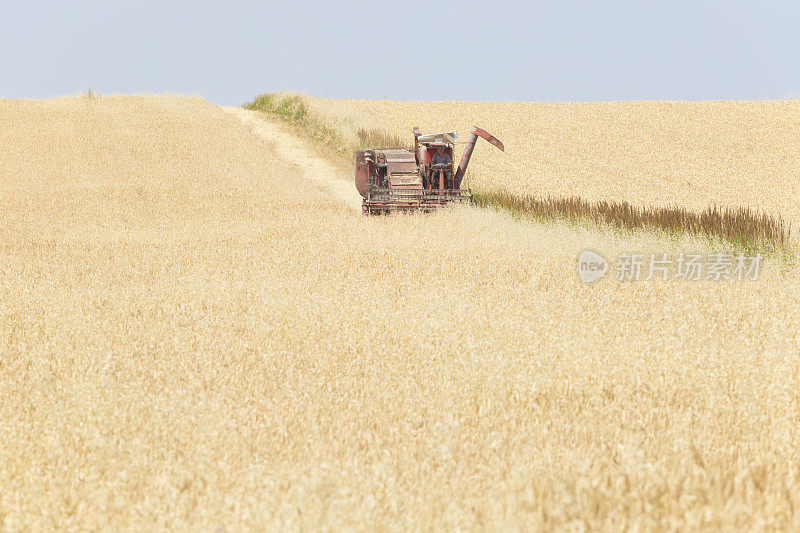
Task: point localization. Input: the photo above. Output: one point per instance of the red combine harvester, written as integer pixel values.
(423, 180)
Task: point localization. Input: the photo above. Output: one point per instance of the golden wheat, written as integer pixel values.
(194, 334)
(687, 154)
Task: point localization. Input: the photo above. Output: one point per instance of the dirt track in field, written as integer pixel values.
(329, 178)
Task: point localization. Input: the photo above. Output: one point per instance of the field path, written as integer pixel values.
(294, 150)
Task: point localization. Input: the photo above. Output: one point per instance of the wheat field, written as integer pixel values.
(199, 331)
(687, 154)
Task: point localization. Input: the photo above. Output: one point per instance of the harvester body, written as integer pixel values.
(397, 179)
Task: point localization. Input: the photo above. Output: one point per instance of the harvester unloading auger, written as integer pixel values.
(422, 180)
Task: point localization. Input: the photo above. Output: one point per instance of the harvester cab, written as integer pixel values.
(434, 157)
(423, 180)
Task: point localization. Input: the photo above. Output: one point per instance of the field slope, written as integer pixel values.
(686, 154)
(198, 330)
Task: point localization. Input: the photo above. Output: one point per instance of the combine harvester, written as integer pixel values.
(392, 180)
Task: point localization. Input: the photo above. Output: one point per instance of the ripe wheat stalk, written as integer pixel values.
(194, 335)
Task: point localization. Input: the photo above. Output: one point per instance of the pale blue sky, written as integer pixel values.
(492, 50)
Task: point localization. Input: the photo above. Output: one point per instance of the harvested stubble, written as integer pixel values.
(194, 336)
